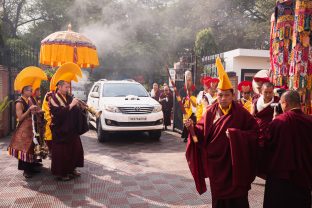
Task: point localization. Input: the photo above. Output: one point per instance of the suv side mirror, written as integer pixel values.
(95, 94)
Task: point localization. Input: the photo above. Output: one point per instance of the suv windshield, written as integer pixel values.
(123, 90)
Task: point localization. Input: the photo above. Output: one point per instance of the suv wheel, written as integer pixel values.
(102, 135)
(155, 134)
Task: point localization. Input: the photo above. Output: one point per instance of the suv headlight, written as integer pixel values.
(157, 108)
(111, 108)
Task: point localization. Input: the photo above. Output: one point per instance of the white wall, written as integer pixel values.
(239, 59)
(250, 63)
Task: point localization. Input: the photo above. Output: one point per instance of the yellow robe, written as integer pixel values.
(247, 104)
(200, 111)
(47, 117)
(189, 107)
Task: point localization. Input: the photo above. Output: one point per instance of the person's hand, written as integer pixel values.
(227, 133)
(74, 102)
(33, 108)
(188, 123)
(276, 111)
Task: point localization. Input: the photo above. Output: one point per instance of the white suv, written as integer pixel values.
(125, 106)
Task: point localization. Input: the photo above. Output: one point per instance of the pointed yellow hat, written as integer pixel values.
(29, 76)
(67, 72)
(224, 83)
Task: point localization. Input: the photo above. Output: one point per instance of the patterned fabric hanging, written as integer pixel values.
(282, 25)
(301, 59)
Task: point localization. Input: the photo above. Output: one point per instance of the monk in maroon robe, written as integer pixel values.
(166, 101)
(68, 122)
(22, 146)
(289, 151)
(258, 81)
(263, 109)
(225, 153)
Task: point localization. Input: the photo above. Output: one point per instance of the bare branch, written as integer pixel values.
(31, 20)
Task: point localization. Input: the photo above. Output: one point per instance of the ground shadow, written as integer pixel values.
(100, 186)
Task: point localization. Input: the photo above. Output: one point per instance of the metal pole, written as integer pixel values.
(195, 68)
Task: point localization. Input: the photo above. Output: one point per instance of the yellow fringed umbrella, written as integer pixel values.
(67, 72)
(68, 46)
(29, 76)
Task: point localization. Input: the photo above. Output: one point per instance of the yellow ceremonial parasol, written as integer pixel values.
(67, 72)
(68, 46)
(29, 76)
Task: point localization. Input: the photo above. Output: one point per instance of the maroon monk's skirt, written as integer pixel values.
(238, 202)
(22, 146)
(66, 156)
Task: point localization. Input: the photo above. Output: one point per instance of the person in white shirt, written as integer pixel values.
(209, 91)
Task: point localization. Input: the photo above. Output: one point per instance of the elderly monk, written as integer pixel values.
(263, 109)
(259, 81)
(226, 151)
(188, 94)
(68, 123)
(289, 156)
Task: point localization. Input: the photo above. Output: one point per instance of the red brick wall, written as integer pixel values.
(4, 91)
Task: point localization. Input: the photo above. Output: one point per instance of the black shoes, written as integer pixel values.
(37, 164)
(27, 174)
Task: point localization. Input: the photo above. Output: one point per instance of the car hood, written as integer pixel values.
(128, 101)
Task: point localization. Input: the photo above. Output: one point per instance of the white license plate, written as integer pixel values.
(137, 118)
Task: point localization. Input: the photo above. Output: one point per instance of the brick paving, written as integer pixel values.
(128, 171)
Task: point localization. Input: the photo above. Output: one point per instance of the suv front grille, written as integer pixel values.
(129, 124)
(136, 110)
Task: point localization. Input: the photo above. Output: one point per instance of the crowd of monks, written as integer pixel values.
(56, 123)
(265, 135)
(260, 134)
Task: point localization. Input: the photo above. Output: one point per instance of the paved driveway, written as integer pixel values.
(129, 171)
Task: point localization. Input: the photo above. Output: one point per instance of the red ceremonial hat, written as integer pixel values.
(245, 86)
(214, 80)
(205, 81)
(284, 87)
(261, 79)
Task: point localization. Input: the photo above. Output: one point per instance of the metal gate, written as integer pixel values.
(14, 56)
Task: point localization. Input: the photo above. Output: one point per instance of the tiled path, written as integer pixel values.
(129, 171)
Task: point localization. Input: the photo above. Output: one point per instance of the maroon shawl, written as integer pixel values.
(264, 118)
(289, 148)
(229, 163)
(66, 123)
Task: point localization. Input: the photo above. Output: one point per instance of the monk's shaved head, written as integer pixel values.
(267, 85)
(292, 98)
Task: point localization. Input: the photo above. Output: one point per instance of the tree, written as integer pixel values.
(20, 16)
(205, 43)
(141, 36)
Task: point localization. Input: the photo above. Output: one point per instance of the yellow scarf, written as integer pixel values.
(226, 111)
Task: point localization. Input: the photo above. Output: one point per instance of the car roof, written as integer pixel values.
(118, 81)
